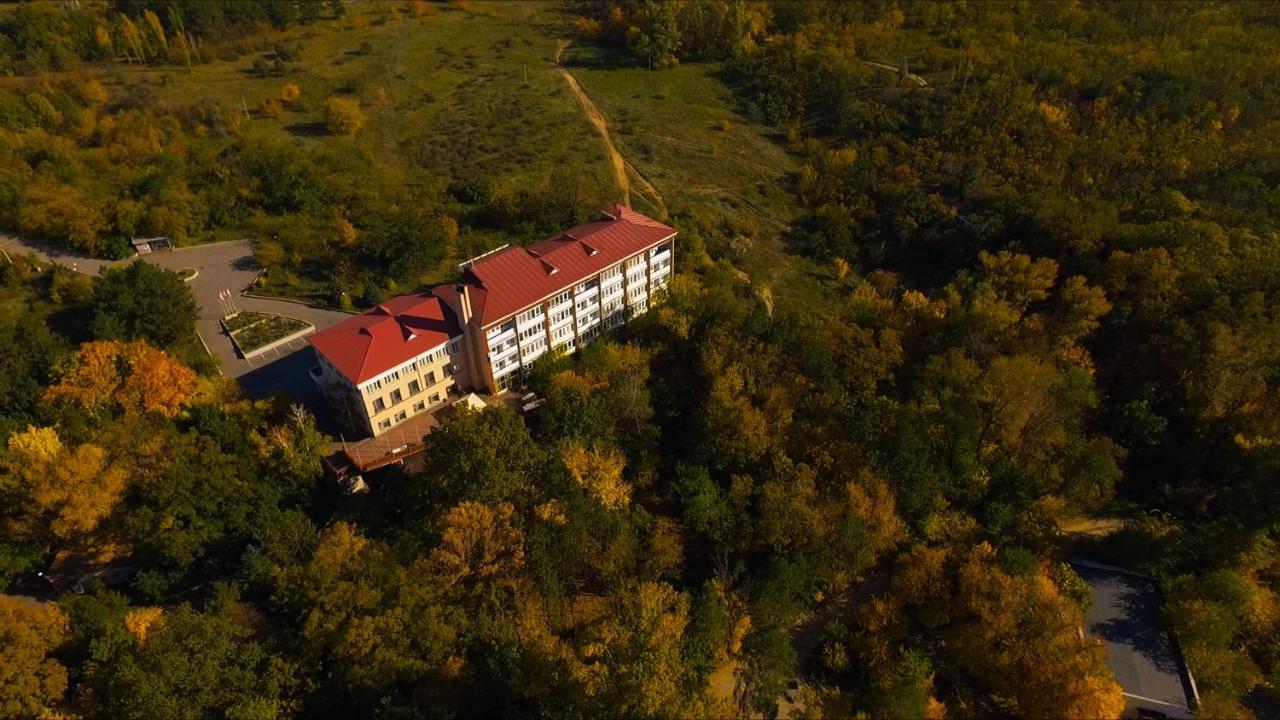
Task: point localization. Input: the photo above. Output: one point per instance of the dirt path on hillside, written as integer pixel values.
(623, 171)
(914, 78)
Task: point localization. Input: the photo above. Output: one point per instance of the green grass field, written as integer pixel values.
(446, 92)
(473, 90)
(460, 92)
(680, 128)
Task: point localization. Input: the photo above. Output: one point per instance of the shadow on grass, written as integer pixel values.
(307, 129)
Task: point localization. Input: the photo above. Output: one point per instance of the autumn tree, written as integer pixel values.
(480, 549)
(32, 682)
(1019, 636)
(125, 376)
(67, 491)
(598, 471)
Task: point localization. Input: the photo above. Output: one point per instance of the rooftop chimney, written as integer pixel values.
(464, 303)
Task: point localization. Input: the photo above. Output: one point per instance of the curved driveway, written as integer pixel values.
(221, 266)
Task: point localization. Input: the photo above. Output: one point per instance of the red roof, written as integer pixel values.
(507, 281)
(387, 336)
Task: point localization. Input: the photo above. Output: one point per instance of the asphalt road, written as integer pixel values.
(220, 266)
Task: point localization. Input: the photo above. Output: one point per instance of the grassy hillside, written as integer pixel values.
(457, 91)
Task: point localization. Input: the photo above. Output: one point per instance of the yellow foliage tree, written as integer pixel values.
(71, 489)
(345, 231)
(131, 375)
(290, 92)
(1018, 635)
(31, 681)
(139, 622)
(599, 472)
(479, 544)
(841, 267)
(635, 652)
(157, 29)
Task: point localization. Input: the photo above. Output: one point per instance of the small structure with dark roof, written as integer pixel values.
(1148, 665)
(146, 246)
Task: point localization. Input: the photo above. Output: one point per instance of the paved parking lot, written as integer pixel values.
(220, 266)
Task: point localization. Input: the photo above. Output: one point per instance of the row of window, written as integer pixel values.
(499, 329)
(425, 359)
(531, 339)
(403, 415)
(396, 397)
(532, 331)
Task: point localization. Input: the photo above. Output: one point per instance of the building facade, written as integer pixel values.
(482, 333)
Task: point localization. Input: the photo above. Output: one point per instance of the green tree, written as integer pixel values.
(486, 456)
(142, 302)
(197, 665)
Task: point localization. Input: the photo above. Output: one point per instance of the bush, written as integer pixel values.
(342, 116)
(272, 108)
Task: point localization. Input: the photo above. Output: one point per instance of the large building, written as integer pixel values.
(508, 308)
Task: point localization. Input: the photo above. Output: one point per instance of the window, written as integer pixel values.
(455, 345)
(419, 406)
(448, 370)
(375, 385)
(379, 405)
(401, 416)
(435, 398)
(562, 297)
(414, 387)
(532, 331)
(613, 272)
(396, 396)
(384, 425)
(504, 327)
(431, 378)
(531, 313)
(393, 375)
(562, 315)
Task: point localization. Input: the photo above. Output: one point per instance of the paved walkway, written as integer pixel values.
(221, 266)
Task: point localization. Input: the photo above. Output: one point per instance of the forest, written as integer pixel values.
(1031, 255)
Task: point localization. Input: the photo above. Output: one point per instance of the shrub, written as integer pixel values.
(271, 107)
(343, 116)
